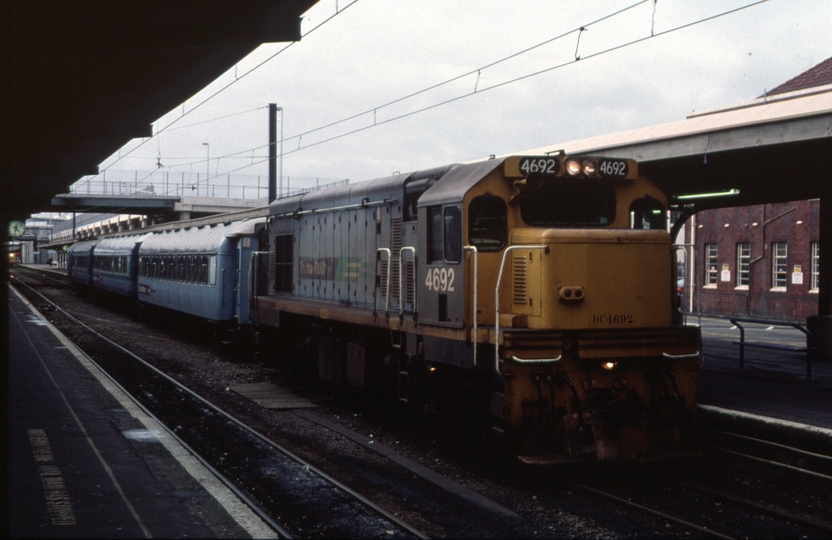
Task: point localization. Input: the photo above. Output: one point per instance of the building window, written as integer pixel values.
(815, 279)
(743, 264)
(779, 265)
(711, 269)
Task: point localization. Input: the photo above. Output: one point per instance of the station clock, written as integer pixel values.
(16, 229)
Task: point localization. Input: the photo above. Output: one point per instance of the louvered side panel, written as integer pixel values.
(410, 282)
(272, 264)
(519, 274)
(396, 246)
(385, 270)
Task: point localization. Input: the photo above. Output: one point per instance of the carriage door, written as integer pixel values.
(245, 246)
(441, 280)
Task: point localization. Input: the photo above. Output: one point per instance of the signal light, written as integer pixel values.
(609, 366)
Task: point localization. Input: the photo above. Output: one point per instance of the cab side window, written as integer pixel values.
(647, 213)
(487, 223)
(444, 234)
(435, 235)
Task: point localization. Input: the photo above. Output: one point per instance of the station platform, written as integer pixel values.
(84, 461)
(771, 394)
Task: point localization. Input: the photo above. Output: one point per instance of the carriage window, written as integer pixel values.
(647, 213)
(487, 228)
(453, 234)
(569, 204)
(212, 270)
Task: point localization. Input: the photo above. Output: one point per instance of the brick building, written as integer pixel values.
(759, 261)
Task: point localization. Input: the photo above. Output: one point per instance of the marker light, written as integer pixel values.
(609, 366)
(573, 167)
(589, 167)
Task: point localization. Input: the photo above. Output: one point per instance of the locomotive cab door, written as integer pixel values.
(439, 281)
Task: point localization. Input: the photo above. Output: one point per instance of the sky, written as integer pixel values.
(634, 65)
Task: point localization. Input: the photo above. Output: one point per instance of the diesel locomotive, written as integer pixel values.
(536, 293)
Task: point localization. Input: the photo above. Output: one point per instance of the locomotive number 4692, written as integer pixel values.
(539, 165)
(440, 279)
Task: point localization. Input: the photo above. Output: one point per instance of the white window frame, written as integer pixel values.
(743, 265)
(779, 266)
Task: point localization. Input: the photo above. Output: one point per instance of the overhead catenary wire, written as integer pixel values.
(374, 110)
(236, 80)
(477, 90)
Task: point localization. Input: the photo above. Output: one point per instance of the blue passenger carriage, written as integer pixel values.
(197, 270)
(115, 264)
(80, 260)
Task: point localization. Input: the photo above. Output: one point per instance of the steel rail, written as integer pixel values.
(678, 521)
(759, 507)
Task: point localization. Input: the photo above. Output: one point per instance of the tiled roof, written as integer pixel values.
(819, 75)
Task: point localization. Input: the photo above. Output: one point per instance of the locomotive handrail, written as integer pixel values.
(255, 255)
(497, 301)
(301, 212)
(379, 251)
(402, 295)
(473, 249)
(537, 360)
(697, 355)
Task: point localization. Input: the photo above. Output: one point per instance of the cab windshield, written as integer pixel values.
(569, 204)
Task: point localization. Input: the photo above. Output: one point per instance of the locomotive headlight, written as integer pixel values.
(590, 167)
(609, 366)
(573, 167)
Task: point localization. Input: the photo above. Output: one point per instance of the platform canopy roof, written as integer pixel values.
(83, 78)
(775, 148)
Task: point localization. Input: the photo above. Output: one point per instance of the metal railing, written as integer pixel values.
(773, 346)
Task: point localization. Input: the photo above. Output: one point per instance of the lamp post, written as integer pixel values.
(282, 118)
(274, 192)
(207, 166)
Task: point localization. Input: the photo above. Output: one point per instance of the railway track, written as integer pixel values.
(710, 512)
(290, 494)
(675, 509)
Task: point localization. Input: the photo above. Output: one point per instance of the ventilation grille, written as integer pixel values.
(410, 281)
(519, 280)
(396, 246)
